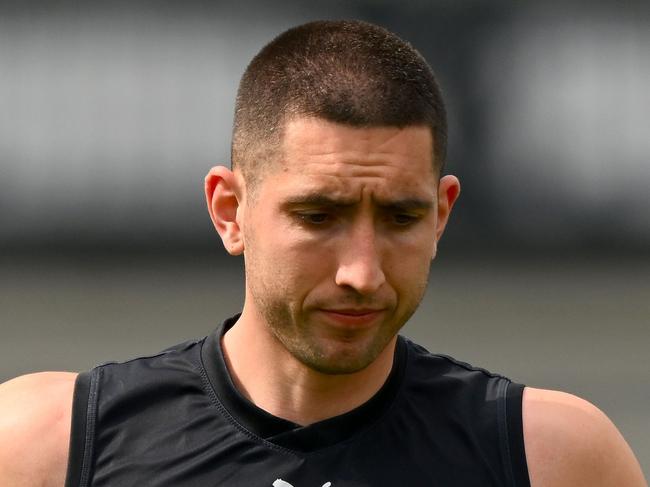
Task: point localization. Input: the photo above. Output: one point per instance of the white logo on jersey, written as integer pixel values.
(282, 483)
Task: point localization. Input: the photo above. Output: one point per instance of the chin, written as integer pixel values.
(339, 358)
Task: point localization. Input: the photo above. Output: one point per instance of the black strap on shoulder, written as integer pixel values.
(511, 433)
(84, 407)
(78, 429)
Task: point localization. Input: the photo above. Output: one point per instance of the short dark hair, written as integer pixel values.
(350, 72)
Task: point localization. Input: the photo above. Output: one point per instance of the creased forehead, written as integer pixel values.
(342, 149)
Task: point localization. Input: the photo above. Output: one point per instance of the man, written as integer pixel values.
(337, 203)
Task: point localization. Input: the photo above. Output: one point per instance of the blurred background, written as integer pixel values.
(112, 112)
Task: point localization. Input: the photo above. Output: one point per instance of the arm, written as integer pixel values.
(569, 442)
(35, 415)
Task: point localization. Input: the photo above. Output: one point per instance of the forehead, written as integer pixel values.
(327, 156)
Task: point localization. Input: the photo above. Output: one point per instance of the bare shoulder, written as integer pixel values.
(570, 442)
(35, 418)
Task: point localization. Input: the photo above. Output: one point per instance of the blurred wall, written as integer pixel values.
(111, 114)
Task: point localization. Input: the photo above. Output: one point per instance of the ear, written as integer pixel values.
(448, 191)
(223, 194)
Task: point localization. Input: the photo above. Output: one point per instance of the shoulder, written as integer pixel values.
(569, 442)
(35, 415)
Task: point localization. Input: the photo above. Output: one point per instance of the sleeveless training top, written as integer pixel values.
(176, 419)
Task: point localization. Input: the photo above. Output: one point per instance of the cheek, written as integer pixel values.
(407, 266)
(290, 267)
(307, 263)
(412, 250)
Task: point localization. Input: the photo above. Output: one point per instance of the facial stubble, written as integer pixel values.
(296, 330)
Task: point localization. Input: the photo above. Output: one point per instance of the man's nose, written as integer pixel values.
(360, 266)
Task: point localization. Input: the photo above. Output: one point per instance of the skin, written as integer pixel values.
(295, 351)
(330, 281)
(570, 442)
(35, 433)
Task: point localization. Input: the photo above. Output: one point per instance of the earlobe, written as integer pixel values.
(223, 197)
(448, 191)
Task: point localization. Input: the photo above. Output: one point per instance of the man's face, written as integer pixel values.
(339, 239)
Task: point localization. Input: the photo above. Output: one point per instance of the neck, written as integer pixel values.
(270, 377)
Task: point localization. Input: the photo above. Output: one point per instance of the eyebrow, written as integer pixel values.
(405, 204)
(321, 200)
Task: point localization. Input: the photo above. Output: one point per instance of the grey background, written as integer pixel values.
(111, 113)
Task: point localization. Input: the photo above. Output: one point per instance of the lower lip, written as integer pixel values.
(353, 320)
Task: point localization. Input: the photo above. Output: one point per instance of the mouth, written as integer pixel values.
(355, 318)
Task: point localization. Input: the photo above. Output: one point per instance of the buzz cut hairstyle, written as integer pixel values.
(349, 72)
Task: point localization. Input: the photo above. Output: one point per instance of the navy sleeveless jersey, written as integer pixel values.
(176, 419)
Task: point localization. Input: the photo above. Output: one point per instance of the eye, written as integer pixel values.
(314, 218)
(404, 219)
